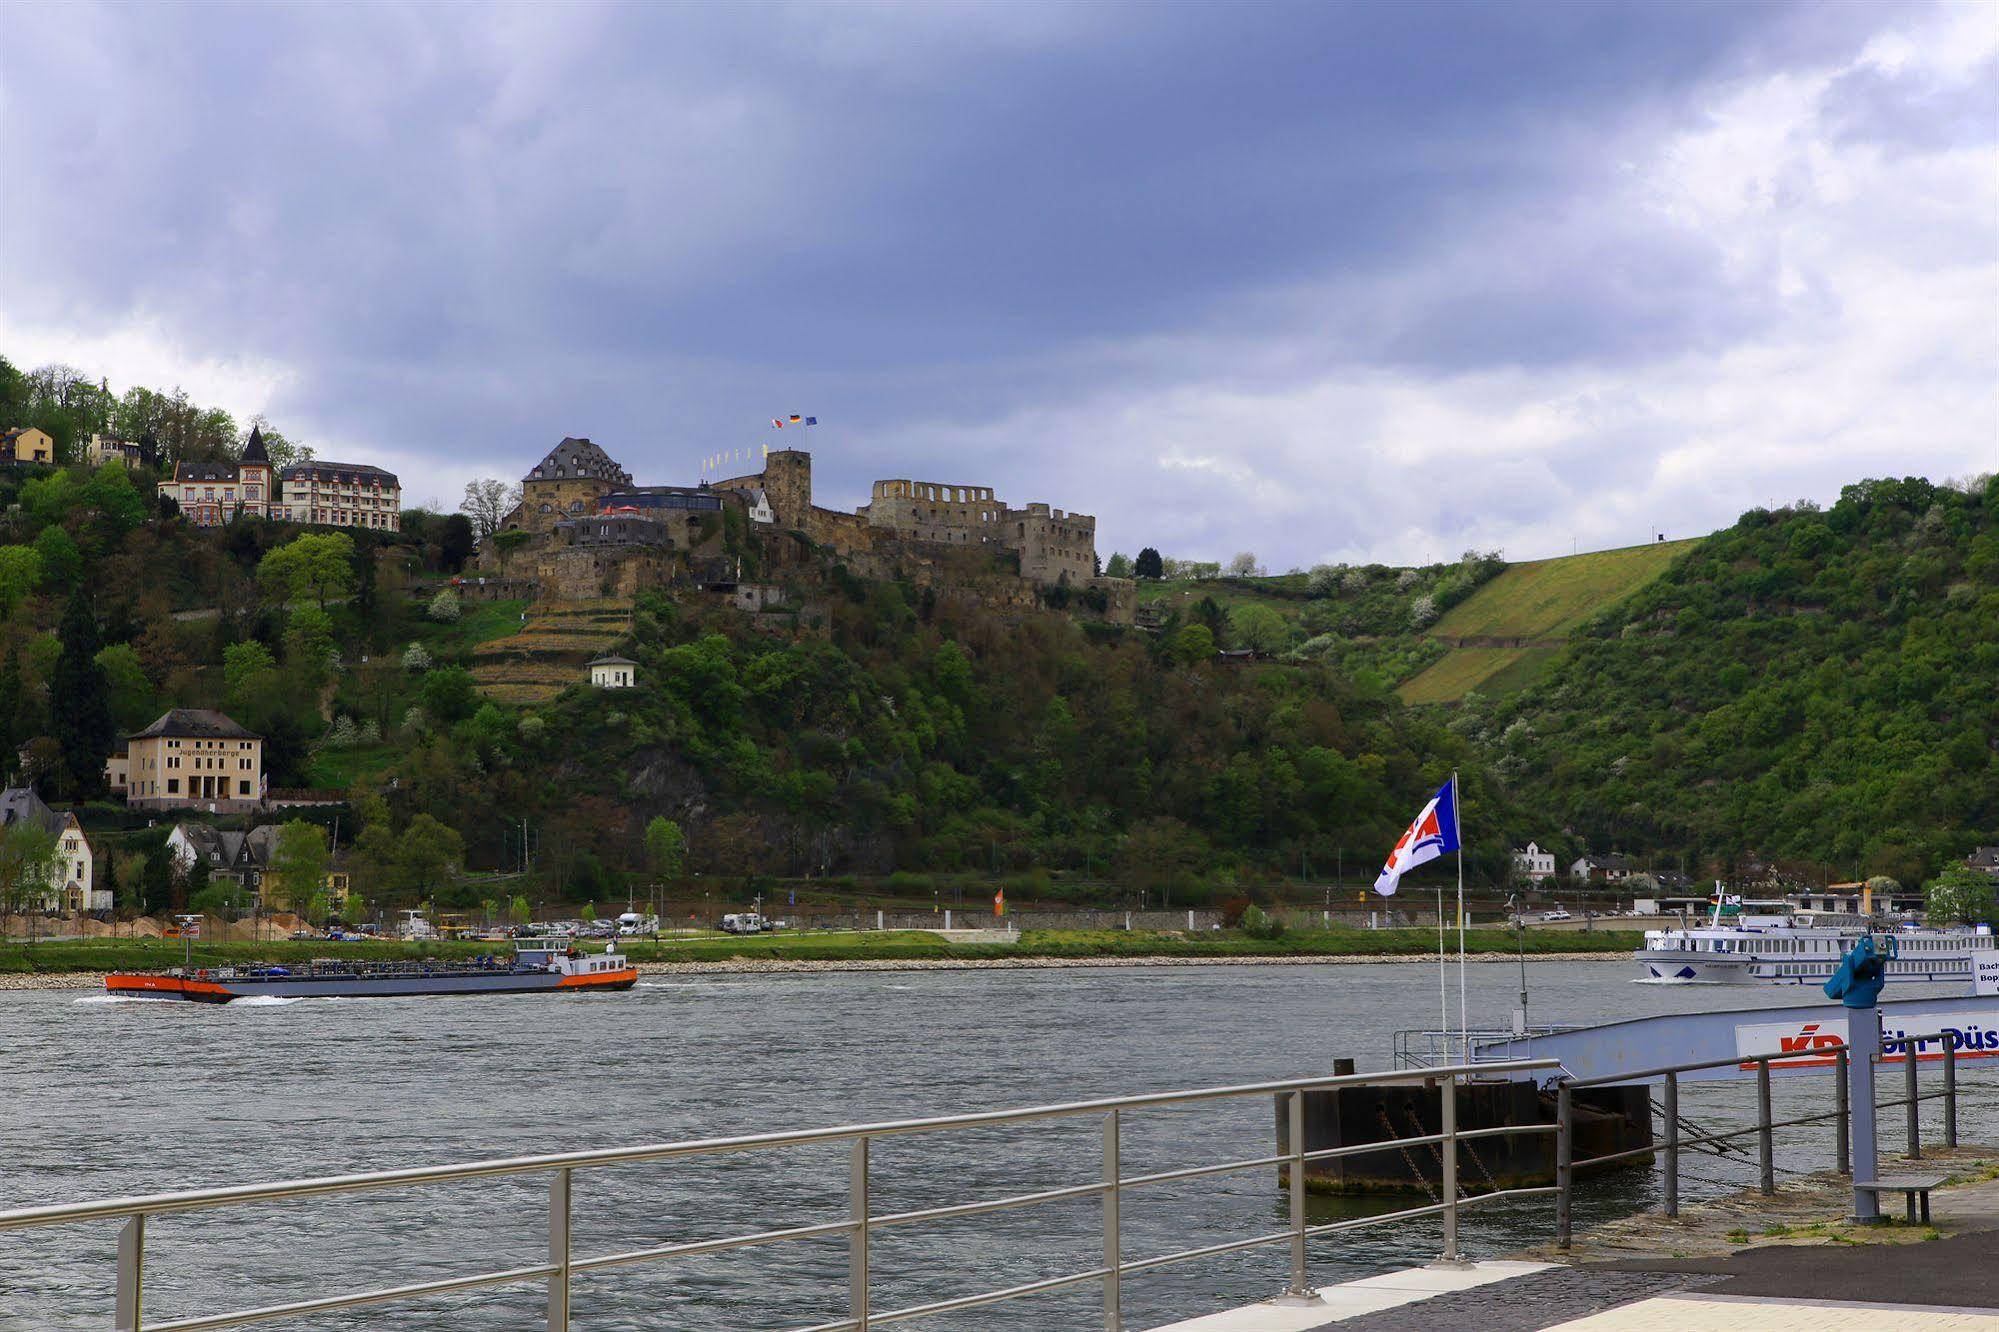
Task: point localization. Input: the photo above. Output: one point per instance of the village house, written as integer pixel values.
(102, 449)
(1609, 868)
(189, 758)
(213, 493)
(244, 859)
(1985, 859)
(1533, 864)
(73, 887)
(26, 444)
(614, 672)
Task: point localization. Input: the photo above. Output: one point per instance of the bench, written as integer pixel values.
(1911, 1187)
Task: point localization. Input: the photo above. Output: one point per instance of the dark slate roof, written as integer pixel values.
(195, 723)
(1985, 857)
(337, 471)
(253, 452)
(614, 661)
(574, 458)
(1610, 860)
(226, 850)
(205, 471)
(20, 804)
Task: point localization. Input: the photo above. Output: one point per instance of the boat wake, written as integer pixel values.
(1672, 980)
(127, 999)
(267, 1000)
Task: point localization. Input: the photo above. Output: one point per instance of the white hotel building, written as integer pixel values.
(337, 494)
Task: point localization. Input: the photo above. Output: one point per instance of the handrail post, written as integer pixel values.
(1765, 1153)
(1447, 1114)
(1565, 1153)
(857, 1240)
(1299, 1289)
(1113, 1254)
(1841, 1116)
(1950, 1089)
(1672, 1144)
(1909, 1061)
(558, 1252)
(131, 1273)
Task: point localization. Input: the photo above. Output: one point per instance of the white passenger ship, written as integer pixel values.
(1802, 948)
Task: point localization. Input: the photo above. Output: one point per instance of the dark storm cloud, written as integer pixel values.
(469, 231)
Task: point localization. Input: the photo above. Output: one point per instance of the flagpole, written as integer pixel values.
(1443, 976)
(1457, 819)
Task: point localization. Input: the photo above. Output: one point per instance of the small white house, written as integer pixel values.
(1534, 864)
(760, 510)
(614, 672)
(1607, 868)
(73, 884)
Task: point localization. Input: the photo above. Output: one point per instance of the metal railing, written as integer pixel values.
(1431, 1047)
(862, 1221)
(1763, 1129)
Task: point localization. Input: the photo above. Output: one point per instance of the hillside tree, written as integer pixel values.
(1959, 894)
(319, 565)
(1148, 564)
(487, 503)
(79, 699)
(298, 864)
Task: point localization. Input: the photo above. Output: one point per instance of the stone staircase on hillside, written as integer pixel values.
(551, 650)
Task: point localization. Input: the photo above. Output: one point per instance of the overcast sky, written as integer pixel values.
(1321, 281)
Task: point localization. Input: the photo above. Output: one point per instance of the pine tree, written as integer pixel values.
(80, 699)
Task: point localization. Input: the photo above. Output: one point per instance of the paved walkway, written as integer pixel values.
(1799, 1273)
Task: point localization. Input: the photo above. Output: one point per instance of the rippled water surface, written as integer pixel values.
(102, 1098)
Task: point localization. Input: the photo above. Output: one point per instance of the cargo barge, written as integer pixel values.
(538, 966)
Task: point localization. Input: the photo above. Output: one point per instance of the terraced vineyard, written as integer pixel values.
(551, 650)
(1510, 632)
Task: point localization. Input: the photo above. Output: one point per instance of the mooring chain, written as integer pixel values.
(1470, 1150)
(1381, 1113)
(1688, 1126)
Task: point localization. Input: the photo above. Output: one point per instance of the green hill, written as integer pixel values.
(1510, 632)
(1815, 687)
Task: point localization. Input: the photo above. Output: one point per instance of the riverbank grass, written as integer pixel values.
(74, 955)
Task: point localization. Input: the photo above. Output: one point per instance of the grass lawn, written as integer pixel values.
(338, 769)
(481, 622)
(1549, 598)
(110, 954)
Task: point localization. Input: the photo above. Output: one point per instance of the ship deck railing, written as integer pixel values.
(863, 1221)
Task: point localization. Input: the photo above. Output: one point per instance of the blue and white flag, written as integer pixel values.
(1434, 833)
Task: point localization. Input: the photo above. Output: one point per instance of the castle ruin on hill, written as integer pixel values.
(587, 529)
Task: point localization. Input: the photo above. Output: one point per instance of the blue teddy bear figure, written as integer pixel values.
(1862, 972)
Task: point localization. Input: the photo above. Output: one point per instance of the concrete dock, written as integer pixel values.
(1744, 1263)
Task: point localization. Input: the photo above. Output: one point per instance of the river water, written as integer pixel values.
(101, 1098)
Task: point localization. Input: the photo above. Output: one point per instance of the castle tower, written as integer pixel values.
(788, 486)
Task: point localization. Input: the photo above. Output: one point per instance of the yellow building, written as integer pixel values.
(190, 758)
(26, 444)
